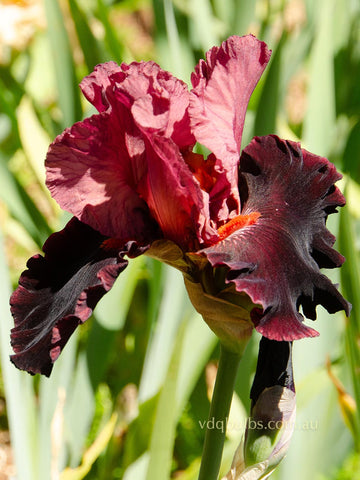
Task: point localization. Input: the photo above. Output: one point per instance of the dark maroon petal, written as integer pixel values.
(60, 290)
(276, 260)
(274, 367)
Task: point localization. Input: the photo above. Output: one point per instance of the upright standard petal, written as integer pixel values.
(175, 198)
(122, 172)
(60, 290)
(93, 169)
(98, 87)
(159, 107)
(223, 85)
(276, 259)
(154, 94)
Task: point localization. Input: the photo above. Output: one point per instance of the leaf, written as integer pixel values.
(199, 343)
(138, 468)
(351, 158)
(194, 351)
(203, 25)
(346, 402)
(159, 351)
(225, 11)
(191, 350)
(163, 433)
(89, 44)
(20, 398)
(10, 96)
(112, 309)
(92, 453)
(79, 409)
(319, 123)
(350, 280)
(51, 391)
(69, 93)
(34, 139)
(21, 206)
(111, 39)
(265, 121)
(172, 44)
(243, 17)
(139, 433)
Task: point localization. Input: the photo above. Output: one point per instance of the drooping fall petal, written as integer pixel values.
(60, 290)
(276, 260)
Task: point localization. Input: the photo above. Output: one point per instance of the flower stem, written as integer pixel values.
(219, 411)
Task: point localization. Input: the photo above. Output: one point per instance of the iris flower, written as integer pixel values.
(247, 231)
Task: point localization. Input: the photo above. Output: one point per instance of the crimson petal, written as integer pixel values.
(223, 85)
(157, 98)
(60, 290)
(93, 169)
(276, 260)
(122, 171)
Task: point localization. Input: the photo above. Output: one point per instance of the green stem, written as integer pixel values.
(219, 411)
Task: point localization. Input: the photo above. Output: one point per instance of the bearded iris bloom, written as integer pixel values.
(248, 234)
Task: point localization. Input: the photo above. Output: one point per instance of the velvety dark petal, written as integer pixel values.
(223, 85)
(60, 290)
(274, 367)
(276, 260)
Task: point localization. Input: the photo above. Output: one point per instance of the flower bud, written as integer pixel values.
(272, 419)
(270, 427)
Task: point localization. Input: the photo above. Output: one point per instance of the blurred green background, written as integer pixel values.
(128, 395)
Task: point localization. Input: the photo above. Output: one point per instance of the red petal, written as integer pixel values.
(93, 170)
(174, 197)
(222, 89)
(59, 291)
(109, 169)
(276, 260)
(98, 87)
(158, 99)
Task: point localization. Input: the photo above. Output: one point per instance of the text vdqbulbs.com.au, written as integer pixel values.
(228, 425)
